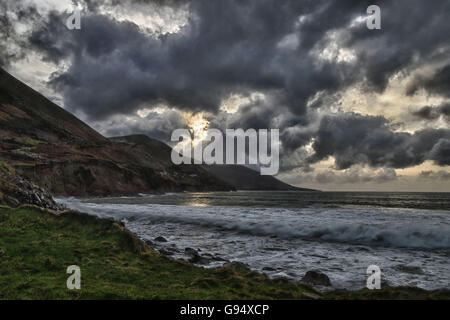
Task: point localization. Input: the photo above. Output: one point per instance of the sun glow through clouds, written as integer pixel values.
(198, 125)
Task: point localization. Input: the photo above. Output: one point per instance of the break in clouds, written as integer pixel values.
(352, 105)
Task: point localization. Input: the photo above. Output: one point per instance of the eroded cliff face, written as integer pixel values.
(50, 147)
(15, 191)
(112, 168)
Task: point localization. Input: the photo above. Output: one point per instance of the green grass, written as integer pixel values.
(5, 166)
(28, 141)
(36, 247)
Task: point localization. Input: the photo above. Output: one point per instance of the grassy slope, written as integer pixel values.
(56, 150)
(36, 247)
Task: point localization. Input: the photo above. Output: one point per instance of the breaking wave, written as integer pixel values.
(286, 224)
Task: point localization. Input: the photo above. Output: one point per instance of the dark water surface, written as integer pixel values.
(294, 199)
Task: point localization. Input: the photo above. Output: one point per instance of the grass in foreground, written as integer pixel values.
(37, 246)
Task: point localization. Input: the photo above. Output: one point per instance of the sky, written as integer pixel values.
(357, 109)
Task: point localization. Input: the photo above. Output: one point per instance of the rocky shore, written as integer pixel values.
(315, 278)
(15, 191)
(118, 265)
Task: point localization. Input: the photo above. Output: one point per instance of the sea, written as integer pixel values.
(286, 234)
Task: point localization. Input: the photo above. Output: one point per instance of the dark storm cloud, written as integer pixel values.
(53, 37)
(231, 47)
(440, 152)
(228, 47)
(438, 83)
(12, 44)
(410, 30)
(427, 112)
(155, 125)
(433, 113)
(5, 26)
(355, 139)
(260, 113)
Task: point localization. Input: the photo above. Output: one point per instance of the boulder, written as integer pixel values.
(195, 257)
(190, 251)
(166, 252)
(317, 278)
(160, 239)
(268, 269)
(237, 265)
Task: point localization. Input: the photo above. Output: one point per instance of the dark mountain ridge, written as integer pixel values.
(243, 178)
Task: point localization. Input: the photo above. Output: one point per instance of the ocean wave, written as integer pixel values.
(407, 237)
(379, 235)
(391, 232)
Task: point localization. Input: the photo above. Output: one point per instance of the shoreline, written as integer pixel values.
(288, 248)
(291, 290)
(202, 260)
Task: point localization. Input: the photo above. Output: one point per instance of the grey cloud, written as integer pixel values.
(435, 175)
(13, 45)
(353, 176)
(155, 125)
(228, 47)
(438, 83)
(427, 112)
(440, 152)
(355, 139)
(53, 37)
(433, 113)
(410, 30)
(5, 26)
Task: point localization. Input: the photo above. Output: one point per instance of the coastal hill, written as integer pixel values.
(243, 178)
(238, 176)
(52, 148)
